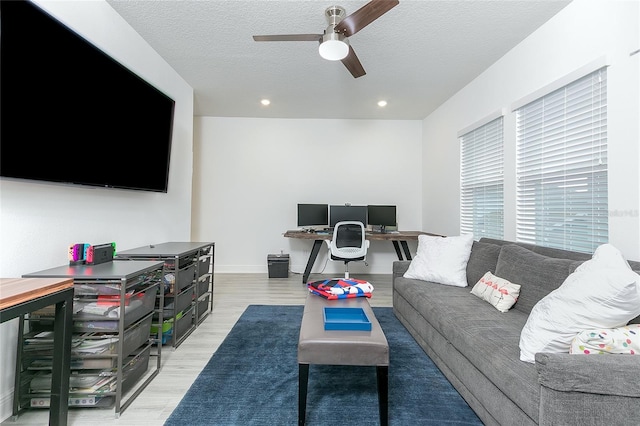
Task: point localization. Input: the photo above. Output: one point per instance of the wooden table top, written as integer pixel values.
(14, 291)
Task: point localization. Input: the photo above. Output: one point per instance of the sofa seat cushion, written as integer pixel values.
(487, 338)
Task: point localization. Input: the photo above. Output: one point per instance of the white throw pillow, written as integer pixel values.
(502, 294)
(602, 293)
(441, 260)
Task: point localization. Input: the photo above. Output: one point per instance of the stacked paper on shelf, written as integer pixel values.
(94, 309)
(95, 346)
(76, 363)
(41, 383)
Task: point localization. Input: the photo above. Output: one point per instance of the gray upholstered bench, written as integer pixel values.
(341, 347)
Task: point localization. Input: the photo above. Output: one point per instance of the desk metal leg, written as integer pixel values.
(62, 328)
(405, 247)
(397, 247)
(19, 352)
(312, 259)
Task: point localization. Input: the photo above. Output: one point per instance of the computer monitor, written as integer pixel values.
(381, 216)
(340, 213)
(313, 215)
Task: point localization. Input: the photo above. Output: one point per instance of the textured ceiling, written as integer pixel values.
(416, 56)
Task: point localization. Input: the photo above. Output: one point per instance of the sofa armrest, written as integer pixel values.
(400, 267)
(595, 374)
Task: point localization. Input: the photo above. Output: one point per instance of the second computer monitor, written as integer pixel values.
(340, 213)
(380, 216)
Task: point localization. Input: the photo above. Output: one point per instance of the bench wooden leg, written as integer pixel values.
(382, 375)
(303, 380)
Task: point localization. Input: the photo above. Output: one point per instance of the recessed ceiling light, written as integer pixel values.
(382, 103)
(265, 102)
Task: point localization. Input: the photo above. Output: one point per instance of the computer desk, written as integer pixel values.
(23, 295)
(398, 238)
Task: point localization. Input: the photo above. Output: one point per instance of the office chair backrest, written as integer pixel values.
(348, 241)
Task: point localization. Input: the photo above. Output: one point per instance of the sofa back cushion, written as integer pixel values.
(545, 251)
(537, 274)
(553, 252)
(549, 252)
(561, 254)
(483, 259)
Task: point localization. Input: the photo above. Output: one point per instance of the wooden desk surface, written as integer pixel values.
(398, 238)
(14, 291)
(384, 236)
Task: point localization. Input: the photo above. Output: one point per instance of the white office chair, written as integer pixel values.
(348, 243)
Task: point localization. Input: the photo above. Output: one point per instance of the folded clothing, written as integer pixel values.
(621, 340)
(340, 288)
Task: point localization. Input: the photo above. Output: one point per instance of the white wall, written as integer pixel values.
(583, 32)
(250, 174)
(39, 221)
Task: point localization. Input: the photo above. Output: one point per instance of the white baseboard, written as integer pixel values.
(6, 406)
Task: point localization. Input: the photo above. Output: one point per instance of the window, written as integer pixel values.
(481, 191)
(561, 167)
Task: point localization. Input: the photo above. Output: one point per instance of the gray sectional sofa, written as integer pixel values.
(477, 347)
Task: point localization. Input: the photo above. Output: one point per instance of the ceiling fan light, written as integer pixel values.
(333, 47)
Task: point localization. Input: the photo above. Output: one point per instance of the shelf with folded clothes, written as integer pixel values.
(112, 344)
(340, 288)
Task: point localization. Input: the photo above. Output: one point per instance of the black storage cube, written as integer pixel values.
(278, 265)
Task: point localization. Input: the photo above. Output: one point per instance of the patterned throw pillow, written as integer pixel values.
(501, 293)
(621, 340)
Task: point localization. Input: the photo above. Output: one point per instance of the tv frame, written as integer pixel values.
(68, 105)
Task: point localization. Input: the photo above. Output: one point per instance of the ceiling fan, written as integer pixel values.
(334, 43)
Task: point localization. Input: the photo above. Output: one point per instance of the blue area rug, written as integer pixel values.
(252, 379)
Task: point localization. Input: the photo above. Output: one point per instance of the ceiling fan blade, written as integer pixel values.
(353, 64)
(288, 37)
(364, 16)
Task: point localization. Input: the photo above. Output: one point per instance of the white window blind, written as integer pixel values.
(482, 189)
(561, 167)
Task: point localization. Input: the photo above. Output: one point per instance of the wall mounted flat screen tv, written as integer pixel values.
(69, 113)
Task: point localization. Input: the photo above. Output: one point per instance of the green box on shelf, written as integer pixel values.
(167, 325)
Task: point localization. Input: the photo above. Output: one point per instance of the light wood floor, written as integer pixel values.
(180, 366)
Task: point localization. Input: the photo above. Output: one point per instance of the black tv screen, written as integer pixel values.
(70, 113)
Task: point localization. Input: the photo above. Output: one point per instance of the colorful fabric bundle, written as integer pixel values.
(340, 288)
